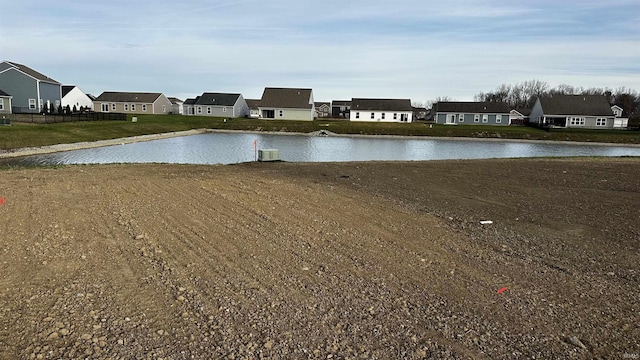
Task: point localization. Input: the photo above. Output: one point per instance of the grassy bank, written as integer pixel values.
(21, 135)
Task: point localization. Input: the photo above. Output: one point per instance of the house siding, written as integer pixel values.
(22, 88)
(6, 105)
(77, 98)
(290, 114)
(365, 116)
(157, 105)
(469, 118)
(51, 93)
(536, 113)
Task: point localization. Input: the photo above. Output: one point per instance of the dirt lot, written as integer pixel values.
(357, 260)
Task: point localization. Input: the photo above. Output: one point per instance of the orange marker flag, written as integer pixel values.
(2, 200)
(502, 290)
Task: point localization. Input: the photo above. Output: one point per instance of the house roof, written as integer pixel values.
(190, 101)
(2, 93)
(473, 107)
(286, 98)
(29, 71)
(576, 105)
(66, 89)
(381, 104)
(175, 100)
(341, 102)
(217, 99)
(320, 103)
(253, 103)
(137, 97)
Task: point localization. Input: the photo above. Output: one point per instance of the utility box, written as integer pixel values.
(134, 119)
(269, 155)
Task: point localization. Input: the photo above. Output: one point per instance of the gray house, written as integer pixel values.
(30, 89)
(471, 113)
(573, 111)
(5, 103)
(221, 105)
(132, 102)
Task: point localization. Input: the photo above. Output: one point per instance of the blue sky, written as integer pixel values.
(413, 49)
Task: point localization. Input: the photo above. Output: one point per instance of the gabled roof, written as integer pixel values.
(341, 103)
(288, 98)
(190, 101)
(320, 103)
(175, 100)
(34, 74)
(253, 103)
(133, 97)
(66, 89)
(521, 111)
(381, 104)
(91, 97)
(473, 107)
(595, 105)
(217, 99)
(2, 93)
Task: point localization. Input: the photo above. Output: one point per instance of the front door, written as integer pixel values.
(451, 119)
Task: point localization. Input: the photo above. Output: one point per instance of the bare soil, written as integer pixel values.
(354, 260)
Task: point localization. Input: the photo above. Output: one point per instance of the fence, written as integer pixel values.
(58, 118)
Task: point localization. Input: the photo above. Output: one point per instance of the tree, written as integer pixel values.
(75, 110)
(60, 109)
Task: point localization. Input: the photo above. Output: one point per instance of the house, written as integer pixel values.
(420, 113)
(254, 108)
(72, 96)
(5, 103)
(132, 103)
(176, 105)
(221, 105)
(287, 104)
(573, 111)
(382, 110)
(189, 106)
(471, 113)
(621, 120)
(323, 109)
(30, 89)
(340, 109)
(519, 116)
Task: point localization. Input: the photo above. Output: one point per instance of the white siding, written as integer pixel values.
(78, 98)
(380, 116)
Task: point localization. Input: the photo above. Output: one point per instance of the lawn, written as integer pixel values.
(20, 135)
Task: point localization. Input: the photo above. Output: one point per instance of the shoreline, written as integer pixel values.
(7, 154)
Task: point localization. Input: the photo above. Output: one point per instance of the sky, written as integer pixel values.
(414, 49)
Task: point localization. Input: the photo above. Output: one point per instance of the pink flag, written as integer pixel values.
(2, 200)
(502, 290)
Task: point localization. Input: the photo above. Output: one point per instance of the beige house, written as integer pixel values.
(132, 103)
(287, 104)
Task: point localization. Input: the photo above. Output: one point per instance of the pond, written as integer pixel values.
(229, 148)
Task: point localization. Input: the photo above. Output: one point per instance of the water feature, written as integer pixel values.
(229, 148)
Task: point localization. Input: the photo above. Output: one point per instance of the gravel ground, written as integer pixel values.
(354, 260)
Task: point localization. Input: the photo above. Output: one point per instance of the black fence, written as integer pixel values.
(58, 118)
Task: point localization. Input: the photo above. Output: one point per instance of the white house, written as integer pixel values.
(620, 121)
(381, 110)
(176, 105)
(73, 96)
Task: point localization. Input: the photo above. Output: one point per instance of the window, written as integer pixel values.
(32, 104)
(601, 122)
(395, 116)
(224, 109)
(357, 115)
(1, 104)
(133, 107)
(113, 107)
(383, 116)
(126, 107)
(280, 112)
(461, 118)
(577, 121)
(476, 118)
(485, 118)
(199, 109)
(105, 107)
(373, 116)
(208, 109)
(164, 108)
(498, 119)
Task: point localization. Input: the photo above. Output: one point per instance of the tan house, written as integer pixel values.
(132, 103)
(287, 104)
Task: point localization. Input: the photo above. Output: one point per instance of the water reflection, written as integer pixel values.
(226, 148)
